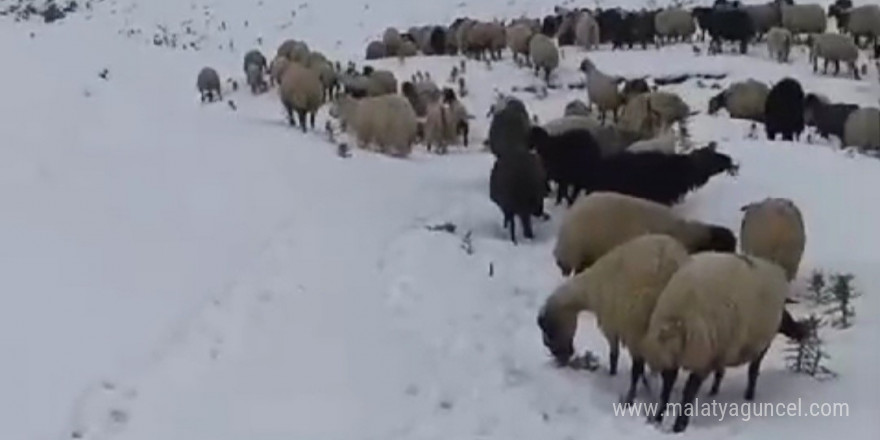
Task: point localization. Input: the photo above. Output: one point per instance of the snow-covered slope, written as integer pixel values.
(172, 270)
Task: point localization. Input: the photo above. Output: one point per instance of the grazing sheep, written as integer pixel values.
(381, 82)
(829, 119)
(328, 75)
(301, 91)
(276, 69)
(208, 84)
(730, 24)
(834, 48)
(518, 36)
(295, 51)
(478, 39)
(518, 185)
(586, 31)
(804, 19)
(509, 128)
(674, 24)
(658, 176)
(544, 55)
(773, 229)
(568, 159)
(784, 110)
(610, 140)
(376, 50)
(407, 49)
(497, 40)
(392, 40)
(576, 108)
(743, 100)
(719, 310)
(862, 129)
(621, 289)
(600, 221)
(286, 49)
(779, 41)
(255, 79)
(647, 113)
(602, 89)
(387, 121)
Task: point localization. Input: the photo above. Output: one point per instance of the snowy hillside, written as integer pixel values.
(172, 270)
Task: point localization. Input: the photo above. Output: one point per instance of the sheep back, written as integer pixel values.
(301, 88)
(801, 19)
(718, 310)
(773, 229)
(862, 129)
(376, 50)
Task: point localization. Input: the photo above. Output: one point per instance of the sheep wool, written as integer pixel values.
(621, 289)
(586, 31)
(376, 50)
(301, 91)
(439, 127)
(647, 113)
(544, 55)
(779, 42)
(743, 100)
(518, 36)
(598, 222)
(834, 48)
(208, 84)
(773, 229)
(804, 19)
(862, 129)
(674, 24)
(719, 310)
(387, 121)
(392, 40)
(602, 89)
(277, 67)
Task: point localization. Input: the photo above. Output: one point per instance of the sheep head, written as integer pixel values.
(558, 327)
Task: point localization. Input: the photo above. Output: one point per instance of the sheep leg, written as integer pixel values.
(754, 369)
(289, 111)
(527, 226)
(637, 371)
(301, 115)
(716, 383)
(561, 191)
(669, 377)
(836, 67)
(511, 224)
(855, 71)
(312, 119)
(613, 355)
(691, 387)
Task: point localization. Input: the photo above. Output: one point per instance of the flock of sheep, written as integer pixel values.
(677, 293)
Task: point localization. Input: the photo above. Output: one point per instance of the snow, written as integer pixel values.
(183, 271)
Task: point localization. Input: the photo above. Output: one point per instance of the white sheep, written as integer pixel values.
(544, 55)
(301, 91)
(647, 113)
(773, 229)
(863, 20)
(621, 290)
(440, 127)
(586, 31)
(662, 143)
(387, 121)
(381, 82)
(779, 42)
(598, 222)
(602, 89)
(743, 100)
(674, 24)
(804, 19)
(609, 139)
(276, 69)
(834, 48)
(518, 36)
(719, 310)
(862, 129)
(392, 41)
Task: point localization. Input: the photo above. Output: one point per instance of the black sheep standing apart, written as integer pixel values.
(518, 186)
(568, 159)
(784, 110)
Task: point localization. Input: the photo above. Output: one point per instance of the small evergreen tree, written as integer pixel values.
(807, 356)
(842, 292)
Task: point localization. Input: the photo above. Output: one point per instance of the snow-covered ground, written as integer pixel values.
(172, 270)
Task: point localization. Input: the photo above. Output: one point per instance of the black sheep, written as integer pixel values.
(613, 28)
(518, 186)
(701, 14)
(660, 177)
(827, 118)
(565, 35)
(509, 128)
(643, 30)
(726, 23)
(550, 25)
(784, 110)
(437, 40)
(568, 158)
